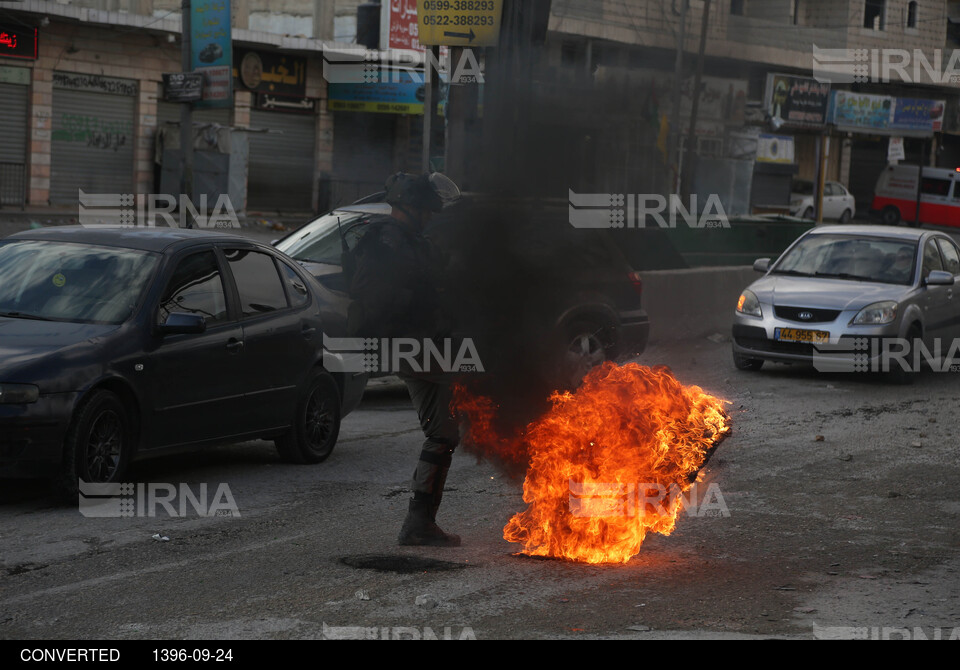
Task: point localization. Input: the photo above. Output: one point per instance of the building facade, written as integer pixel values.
(627, 54)
(83, 106)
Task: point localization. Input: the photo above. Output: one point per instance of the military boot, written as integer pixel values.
(420, 527)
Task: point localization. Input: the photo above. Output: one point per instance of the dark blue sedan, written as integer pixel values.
(116, 343)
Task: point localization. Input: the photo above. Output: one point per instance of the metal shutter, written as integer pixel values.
(13, 143)
(92, 144)
(281, 168)
(13, 123)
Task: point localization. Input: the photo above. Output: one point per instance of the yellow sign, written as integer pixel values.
(459, 23)
(374, 106)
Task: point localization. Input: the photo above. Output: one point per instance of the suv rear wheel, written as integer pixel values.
(586, 344)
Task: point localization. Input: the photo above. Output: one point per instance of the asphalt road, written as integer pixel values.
(851, 534)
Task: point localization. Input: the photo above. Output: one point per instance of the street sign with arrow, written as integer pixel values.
(459, 23)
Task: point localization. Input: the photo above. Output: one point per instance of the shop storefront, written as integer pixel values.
(870, 122)
(378, 129)
(799, 145)
(14, 120)
(93, 127)
(281, 164)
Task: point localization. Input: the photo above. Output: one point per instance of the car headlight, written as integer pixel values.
(12, 394)
(748, 304)
(877, 314)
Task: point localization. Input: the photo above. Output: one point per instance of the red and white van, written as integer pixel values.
(895, 197)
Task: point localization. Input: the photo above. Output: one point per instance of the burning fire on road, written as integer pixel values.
(605, 463)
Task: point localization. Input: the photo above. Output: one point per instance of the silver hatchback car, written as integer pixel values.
(839, 290)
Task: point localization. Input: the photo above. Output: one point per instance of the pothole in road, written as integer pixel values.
(21, 568)
(401, 564)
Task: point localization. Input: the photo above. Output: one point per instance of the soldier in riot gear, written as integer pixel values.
(394, 275)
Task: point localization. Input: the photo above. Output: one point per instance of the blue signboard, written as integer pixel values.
(210, 50)
(886, 115)
(396, 91)
(919, 114)
(861, 110)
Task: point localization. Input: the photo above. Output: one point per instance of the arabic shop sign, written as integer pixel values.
(18, 43)
(286, 103)
(797, 101)
(266, 72)
(211, 52)
(182, 87)
(861, 110)
(398, 25)
(882, 113)
(94, 83)
(919, 114)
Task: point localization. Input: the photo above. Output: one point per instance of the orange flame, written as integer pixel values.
(603, 462)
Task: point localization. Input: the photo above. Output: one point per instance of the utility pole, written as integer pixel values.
(674, 148)
(431, 91)
(690, 157)
(823, 149)
(186, 117)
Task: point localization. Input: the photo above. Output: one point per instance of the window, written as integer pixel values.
(912, 15)
(569, 54)
(931, 258)
(296, 289)
(951, 257)
(939, 187)
(736, 7)
(322, 241)
(72, 282)
(873, 14)
(257, 280)
(196, 288)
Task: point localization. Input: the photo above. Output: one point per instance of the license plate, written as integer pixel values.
(799, 335)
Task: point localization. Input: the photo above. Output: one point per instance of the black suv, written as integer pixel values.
(531, 289)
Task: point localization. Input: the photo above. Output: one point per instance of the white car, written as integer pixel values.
(838, 204)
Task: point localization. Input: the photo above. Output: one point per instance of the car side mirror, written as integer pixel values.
(181, 323)
(939, 278)
(761, 264)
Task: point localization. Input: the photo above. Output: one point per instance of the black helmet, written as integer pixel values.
(427, 191)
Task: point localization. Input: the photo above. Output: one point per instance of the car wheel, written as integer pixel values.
(890, 216)
(743, 363)
(316, 425)
(846, 216)
(585, 347)
(808, 213)
(896, 374)
(99, 442)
